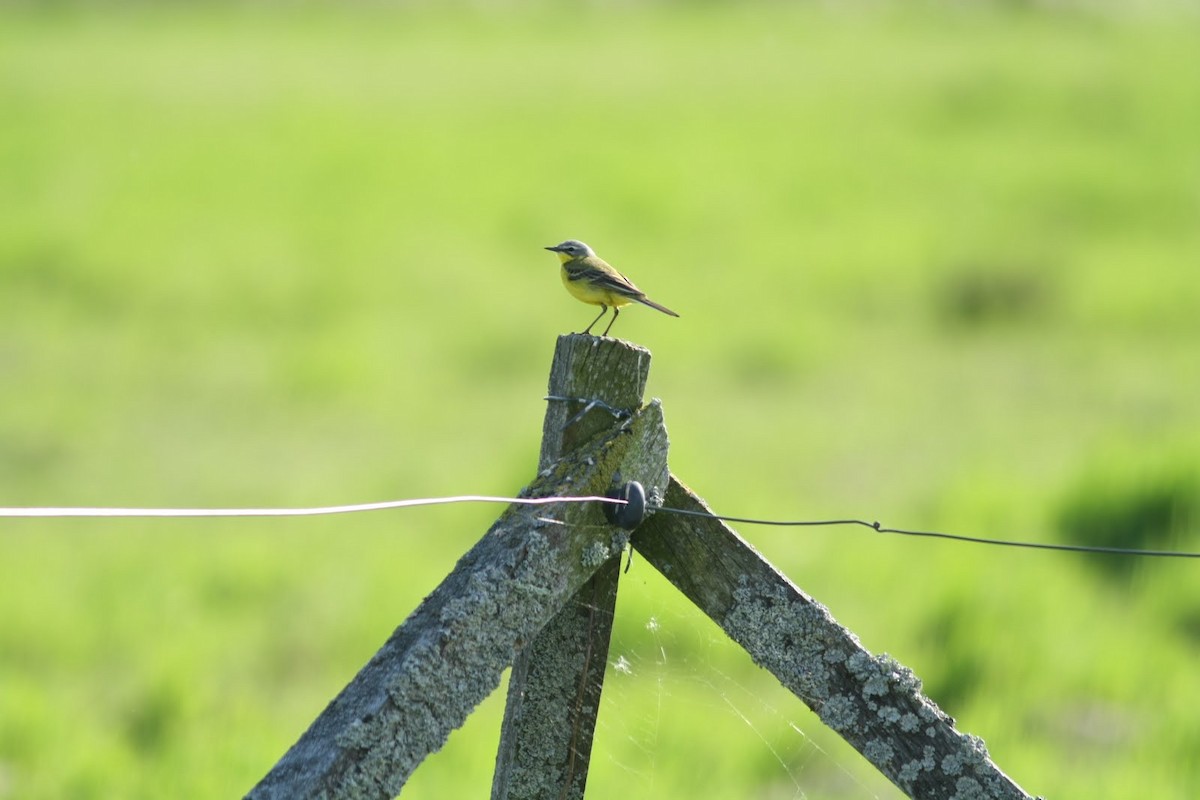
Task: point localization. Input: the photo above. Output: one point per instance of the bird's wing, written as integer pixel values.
(608, 279)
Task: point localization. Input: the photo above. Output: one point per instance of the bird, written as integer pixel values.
(591, 279)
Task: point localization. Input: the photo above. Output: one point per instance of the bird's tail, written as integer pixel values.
(646, 301)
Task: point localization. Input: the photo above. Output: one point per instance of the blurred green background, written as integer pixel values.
(937, 266)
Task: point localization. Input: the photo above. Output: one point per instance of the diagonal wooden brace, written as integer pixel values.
(872, 702)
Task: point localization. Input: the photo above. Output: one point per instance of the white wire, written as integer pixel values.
(292, 512)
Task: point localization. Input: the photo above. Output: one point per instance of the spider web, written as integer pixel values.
(685, 713)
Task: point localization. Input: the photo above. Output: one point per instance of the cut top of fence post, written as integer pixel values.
(611, 372)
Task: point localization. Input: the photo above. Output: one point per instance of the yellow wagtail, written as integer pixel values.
(591, 279)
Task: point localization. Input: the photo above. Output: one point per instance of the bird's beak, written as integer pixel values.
(554, 249)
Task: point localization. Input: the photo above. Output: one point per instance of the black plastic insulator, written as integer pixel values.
(631, 514)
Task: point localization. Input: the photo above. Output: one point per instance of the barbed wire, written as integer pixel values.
(116, 512)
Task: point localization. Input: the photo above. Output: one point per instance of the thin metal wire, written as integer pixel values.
(478, 498)
(878, 528)
(589, 404)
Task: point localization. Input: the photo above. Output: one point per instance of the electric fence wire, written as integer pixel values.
(293, 512)
(956, 537)
(67, 511)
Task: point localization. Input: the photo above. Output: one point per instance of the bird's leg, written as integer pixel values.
(611, 321)
(603, 311)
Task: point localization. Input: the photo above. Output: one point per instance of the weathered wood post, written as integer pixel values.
(554, 689)
(452, 650)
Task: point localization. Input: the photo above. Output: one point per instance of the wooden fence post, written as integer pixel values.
(554, 688)
(452, 650)
(537, 593)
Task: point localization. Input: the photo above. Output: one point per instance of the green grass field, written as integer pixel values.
(936, 267)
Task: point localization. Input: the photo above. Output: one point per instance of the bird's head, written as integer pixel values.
(571, 249)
